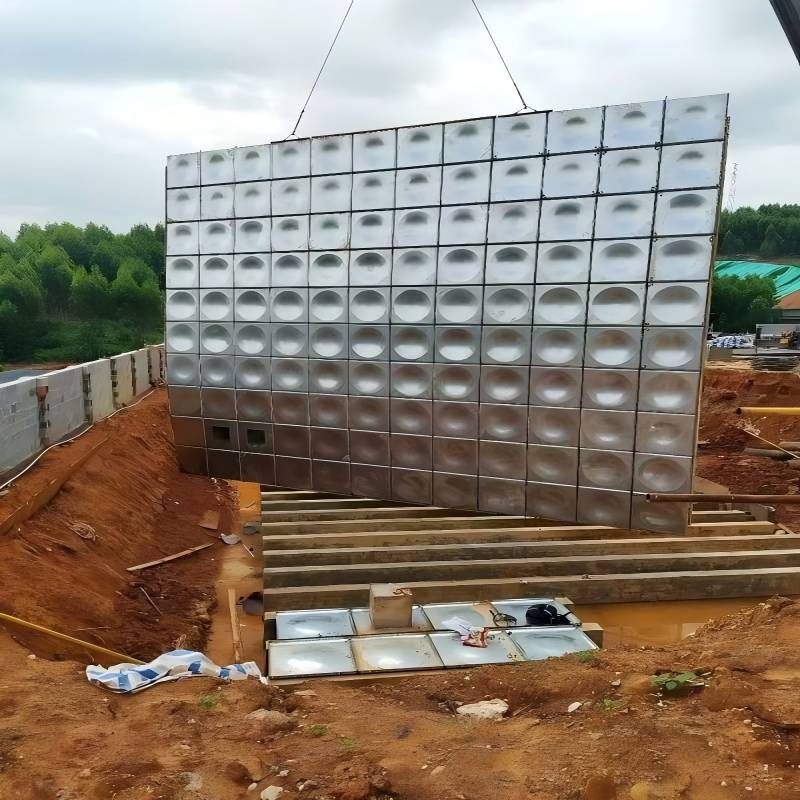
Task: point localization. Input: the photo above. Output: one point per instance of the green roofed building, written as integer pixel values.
(785, 276)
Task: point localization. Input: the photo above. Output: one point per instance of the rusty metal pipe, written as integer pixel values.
(766, 499)
(786, 411)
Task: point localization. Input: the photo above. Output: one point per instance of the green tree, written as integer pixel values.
(55, 274)
(90, 294)
(772, 245)
(739, 304)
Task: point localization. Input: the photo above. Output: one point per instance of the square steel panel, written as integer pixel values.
(310, 658)
(621, 261)
(412, 342)
(513, 222)
(540, 643)
(252, 373)
(633, 124)
(331, 154)
(373, 190)
(328, 232)
(672, 348)
(411, 452)
(555, 386)
(554, 426)
(182, 272)
(411, 380)
(412, 305)
(216, 166)
(563, 262)
(289, 374)
(251, 269)
(458, 266)
(690, 165)
(294, 473)
(670, 434)
(224, 464)
(613, 389)
(411, 416)
(216, 271)
(458, 456)
(507, 305)
(255, 406)
(328, 377)
(188, 431)
(369, 305)
(292, 440)
(686, 212)
(414, 266)
(690, 118)
(290, 408)
(369, 480)
(567, 219)
(613, 348)
(182, 337)
(660, 473)
(256, 437)
(607, 430)
(370, 268)
(252, 199)
(183, 170)
(218, 371)
(291, 157)
(369, 413)
(419, 186)
(605, 469)
(501, 496)
(676, 304)
(510, 263)
(616, 304)
(374, 150)
(331, 193)
(557, 346)
(551, 501)
(455, 491)
(183, 238)
(669, 392)
(468, 140)
(570, 175)
(420, 145)
(330, 476)
(604, 507)
(500, 649)
(661, 517)
(369, 447)
(465, 183)
(456, 382)
(251, 235)
(629, 170)
(560, 305)
(192, 459)
(218, 403)
(578, 129)
(519, 135)
(289, 269)
(517, 179)
(258, 468)
(458, 344)
(459, 420)
(328, 411)
(549, 464)
(290, 233)
(683, 259)
(319, 624)
(395, 653)
(477, 614)
(289, 340)
(624, 215)
(463, 224)
(502, 460)
(184, 401)
(217, 236)
(369, 378)
(183, 370)
(184, 204)
(412, 486)
(503, 423)
(505, 384)
(371, 229)
(252, 163)
(252, 338)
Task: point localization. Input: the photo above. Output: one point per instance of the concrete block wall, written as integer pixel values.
(19, 422)
(122, 373)
(100, 389)
(141, 371)
(65, 405)
(41, 410)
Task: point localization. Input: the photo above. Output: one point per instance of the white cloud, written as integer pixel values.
(93, 100)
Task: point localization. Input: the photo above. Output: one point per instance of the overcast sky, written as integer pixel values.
(94, 94)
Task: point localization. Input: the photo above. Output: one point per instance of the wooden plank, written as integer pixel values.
(730, 528)
(373, 514)
(722, 515)
(173, 557)
(475, 569)
(524, 549)
(329, 503)
(46, 493)
(651, 586)
(413, 524)
(236, 634)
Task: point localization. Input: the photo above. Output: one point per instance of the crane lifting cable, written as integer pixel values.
(525, 106)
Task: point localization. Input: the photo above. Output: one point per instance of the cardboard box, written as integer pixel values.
(390, 606)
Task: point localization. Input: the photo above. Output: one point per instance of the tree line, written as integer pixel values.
(76, 294)
(769, 231)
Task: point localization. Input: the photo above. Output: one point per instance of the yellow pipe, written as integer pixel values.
(788, 411)
(95, 648)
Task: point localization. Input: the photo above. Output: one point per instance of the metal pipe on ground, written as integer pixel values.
(787, 411)
(63, 637)
(763, 452)
(767, 499)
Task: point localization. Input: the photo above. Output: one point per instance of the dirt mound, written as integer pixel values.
(138, 507)
(737, 737)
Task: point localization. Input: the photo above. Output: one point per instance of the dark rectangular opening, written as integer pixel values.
(256, 437)
(221, 432)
